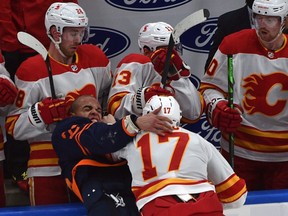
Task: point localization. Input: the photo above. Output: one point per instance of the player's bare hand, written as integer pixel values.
(154, 123)
(108, 119)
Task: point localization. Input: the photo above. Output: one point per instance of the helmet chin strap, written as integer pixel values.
(57, 45)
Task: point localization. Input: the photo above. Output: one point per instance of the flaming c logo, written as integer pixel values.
(265, 94)
(89, 89)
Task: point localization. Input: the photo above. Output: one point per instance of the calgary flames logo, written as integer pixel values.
(265, 94)
(72, 96)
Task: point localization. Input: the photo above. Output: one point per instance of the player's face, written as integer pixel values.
(88, 107)
(71, 39)
(268, 27)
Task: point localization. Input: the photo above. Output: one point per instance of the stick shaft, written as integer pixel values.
(36, 45)
(230, 104)
(50, 75)
(185, 24)
(167, 61)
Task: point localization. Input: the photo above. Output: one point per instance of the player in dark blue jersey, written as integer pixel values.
(81, 142)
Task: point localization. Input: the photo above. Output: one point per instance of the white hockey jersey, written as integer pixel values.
(181, 162)
(261, 84)
(91, 69)
(3, 110)
(135, 71)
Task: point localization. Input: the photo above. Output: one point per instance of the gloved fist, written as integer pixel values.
(221, 116)
(8, 92)
(156, 90)
(144, 94)
(177, 69)
(47, 111)
(52, 110)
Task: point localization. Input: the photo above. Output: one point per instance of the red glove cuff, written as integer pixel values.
(8, 92)
(156, 90)
(144, 94)
(223, 117)
(46, 112)
(178, 68)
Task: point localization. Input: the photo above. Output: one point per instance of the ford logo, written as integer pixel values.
(204, 129)
(146, 5)
(111, 41)
(200, 37)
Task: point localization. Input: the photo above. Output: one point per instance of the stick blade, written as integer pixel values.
(190, 21)
(33, 43)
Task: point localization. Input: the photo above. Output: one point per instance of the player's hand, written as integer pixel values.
(156, 90)
(46, 112)
(108, 119)
(177, 69)
(154, 123)
(8, 92)
(52, 110)
(144, 94)
(221, 116)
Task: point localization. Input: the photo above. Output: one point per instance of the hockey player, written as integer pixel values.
(8, 93)
(259, 120)
(137, 76)
(74, 67)
(27, 16)
(189, 176)
(81, 142)
(242, 19)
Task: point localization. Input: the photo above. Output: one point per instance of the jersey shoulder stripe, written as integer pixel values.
(90, 55)
(134, 57)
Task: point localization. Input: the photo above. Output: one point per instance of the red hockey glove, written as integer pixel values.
(178, 68)
(47, 111)
(156, 90)
(223, 117)
(8, 92)
(144, 94)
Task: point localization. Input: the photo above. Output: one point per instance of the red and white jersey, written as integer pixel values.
(135, 71)
(91, 69)
(261, 84)
(3, 110)
(181, 162)
(3, 71)
(2, 137)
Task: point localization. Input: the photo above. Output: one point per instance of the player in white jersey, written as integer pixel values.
(8, 93)
(136, 74)
(81, 142)
(180, 173)
(259, 122)
(75, 67)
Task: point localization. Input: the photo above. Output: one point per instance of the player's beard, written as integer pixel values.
(69, 51)
(265, 36)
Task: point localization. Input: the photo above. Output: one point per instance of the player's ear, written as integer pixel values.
(54, 33)
(146, 51)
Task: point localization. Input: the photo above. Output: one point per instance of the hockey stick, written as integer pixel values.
(35, 44)
(231, 105)
(185, 24)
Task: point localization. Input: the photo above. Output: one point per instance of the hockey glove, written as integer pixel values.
(178, 68)
(47, 111)
(223, 117)
(144, 94)
(8, 92)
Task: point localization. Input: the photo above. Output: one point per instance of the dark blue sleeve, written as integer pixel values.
(77, 137)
